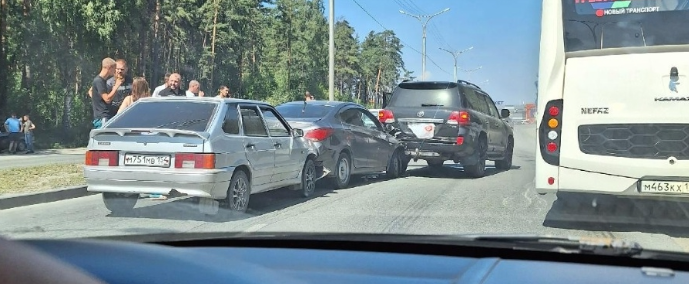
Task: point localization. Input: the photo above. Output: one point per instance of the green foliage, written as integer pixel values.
(263, 50)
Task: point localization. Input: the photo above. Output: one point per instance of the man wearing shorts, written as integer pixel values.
(14, 127)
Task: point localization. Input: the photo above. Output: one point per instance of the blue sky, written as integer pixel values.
(504, 34)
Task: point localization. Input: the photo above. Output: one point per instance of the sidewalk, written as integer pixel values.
(42, 157)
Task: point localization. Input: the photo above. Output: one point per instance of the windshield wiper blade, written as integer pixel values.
(431, 105)
(602, 246)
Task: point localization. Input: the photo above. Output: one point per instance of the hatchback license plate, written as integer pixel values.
(147, 160)
(667, 187)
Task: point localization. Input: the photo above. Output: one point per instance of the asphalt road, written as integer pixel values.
(423, 202)
(39, 158)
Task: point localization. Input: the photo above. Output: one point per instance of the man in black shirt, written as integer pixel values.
(100, 96)
(173, 89)
(123, 91)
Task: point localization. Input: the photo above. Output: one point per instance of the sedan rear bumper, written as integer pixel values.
(193, 182)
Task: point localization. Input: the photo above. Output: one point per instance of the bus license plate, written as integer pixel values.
(668, 187)
(147, 160)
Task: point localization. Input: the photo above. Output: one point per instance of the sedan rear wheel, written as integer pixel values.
(343, 169)
(120, 203)
(308, 178)
(239, 192)
(394, 165)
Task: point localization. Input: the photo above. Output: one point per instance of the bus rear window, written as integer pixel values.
(596, 24)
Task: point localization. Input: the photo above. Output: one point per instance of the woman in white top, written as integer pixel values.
(139, 90)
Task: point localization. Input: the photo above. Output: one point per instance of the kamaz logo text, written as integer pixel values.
(594, 110)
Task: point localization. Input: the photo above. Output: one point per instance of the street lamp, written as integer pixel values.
(456, 54)
(472, 70)
(424, 21)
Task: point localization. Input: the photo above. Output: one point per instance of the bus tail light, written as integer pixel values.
(194, 161)
(550, 132)
(386, 116)
(459, 117)
(102, 158)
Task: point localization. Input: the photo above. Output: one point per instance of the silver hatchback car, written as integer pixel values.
(221, 150)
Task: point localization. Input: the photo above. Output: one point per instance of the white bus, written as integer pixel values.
(613, 98)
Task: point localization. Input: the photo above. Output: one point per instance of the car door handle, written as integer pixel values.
(277, 145)
(250, 145)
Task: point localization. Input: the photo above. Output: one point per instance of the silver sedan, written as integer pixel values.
(221, 150)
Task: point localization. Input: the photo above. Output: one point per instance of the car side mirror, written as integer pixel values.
(297, 133)
(505, 113)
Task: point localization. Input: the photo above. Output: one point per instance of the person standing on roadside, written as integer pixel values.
(224, 93)
(123, 90)
(173, 89)
(195, 89)
(140, 89)
(101, 98)
(308, 96)
(157, 90)
(13, 126)
(28, 128)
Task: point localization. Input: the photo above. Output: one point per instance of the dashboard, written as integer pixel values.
(237, 262)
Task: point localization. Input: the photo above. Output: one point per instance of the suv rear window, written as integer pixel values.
(180, 115)
(414, 96)
(301, 111)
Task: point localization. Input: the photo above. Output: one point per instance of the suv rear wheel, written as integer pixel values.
(479, 169)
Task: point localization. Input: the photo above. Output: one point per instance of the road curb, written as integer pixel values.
(12, 201)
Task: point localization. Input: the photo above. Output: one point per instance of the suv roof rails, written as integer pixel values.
(468, 83)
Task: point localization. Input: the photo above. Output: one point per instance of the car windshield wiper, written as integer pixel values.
(600, 246)
(431, 105)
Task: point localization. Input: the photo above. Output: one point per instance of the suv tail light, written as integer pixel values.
(550, 132)
(102, 158)
(386, 116)
(318, 134)
(459, 117)
(194, 161)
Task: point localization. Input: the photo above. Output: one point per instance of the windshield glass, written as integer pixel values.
(303, 110)
(227, 116)
(614, 24)
(194, 116)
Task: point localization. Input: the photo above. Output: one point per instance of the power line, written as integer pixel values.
(405, 44)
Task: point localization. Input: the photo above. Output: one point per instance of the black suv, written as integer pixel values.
(457, 121)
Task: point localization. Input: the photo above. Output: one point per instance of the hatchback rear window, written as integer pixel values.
(303, 111)
(180, 115)
(403, 97)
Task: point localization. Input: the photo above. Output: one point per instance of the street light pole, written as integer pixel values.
(456, 54)
(331, 53)
(424, 22)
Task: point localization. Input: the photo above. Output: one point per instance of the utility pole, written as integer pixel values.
(331, 53)
(424, 22)
(456, 54)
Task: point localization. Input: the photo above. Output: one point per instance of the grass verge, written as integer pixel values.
(40, 178)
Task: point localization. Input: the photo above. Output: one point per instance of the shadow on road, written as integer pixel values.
(577, 211)
(186, 208)
(453, 171)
